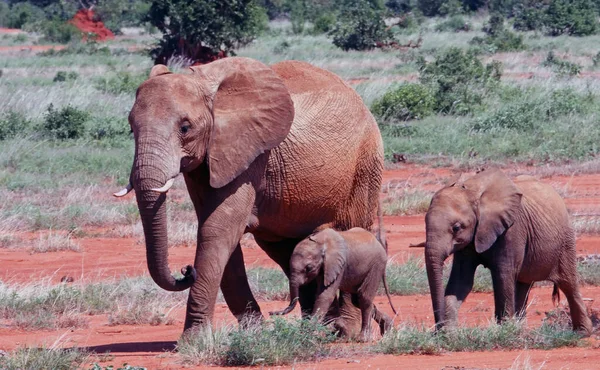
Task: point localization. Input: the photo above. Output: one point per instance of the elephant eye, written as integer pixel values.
(309, 268)
(184, 129)
(456, 227)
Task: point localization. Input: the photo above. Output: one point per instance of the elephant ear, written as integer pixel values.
(252, 113)
(159, 69)
(335, 254)
(499, 203)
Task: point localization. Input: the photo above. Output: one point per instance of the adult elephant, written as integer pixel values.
(519, 230)
(279, 151)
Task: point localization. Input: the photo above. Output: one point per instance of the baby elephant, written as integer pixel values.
(352, 261)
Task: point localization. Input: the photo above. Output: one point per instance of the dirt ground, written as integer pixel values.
(152, 346)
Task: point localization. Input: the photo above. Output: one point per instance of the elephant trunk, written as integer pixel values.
(294, 296)
(434, 261)
(146, 175)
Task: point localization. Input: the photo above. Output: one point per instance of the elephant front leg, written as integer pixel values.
(236, 290)
(504, 294)
(459, 285)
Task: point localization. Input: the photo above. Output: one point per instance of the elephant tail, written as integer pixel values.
(555, 295)
(381, 230)
(387, 292)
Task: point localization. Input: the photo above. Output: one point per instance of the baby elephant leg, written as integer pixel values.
(383, 320)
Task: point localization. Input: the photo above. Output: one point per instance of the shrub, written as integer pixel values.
(116, 14)
(62, 76)
(456, 23)
(459, 80)
(498, 38)
(190, 27)
(77, 47)
(65, 123)
(279, 342)
(13, 124)
(298, 16)
(529, 15)
(359, 26)
(108, 128)
(120, 83)
(323, 23)
(24, 13)
(572, 17)
(58, 31)
(408, 101)
(561, 66)
(43, 358)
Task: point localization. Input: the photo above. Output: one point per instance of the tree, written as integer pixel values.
(201, 30)
(360, 25)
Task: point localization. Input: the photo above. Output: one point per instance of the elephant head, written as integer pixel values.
(476, 213)
(216, 119)
(322, 255)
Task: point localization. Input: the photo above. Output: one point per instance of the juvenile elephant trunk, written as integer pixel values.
(434, 261)
(152, 206)
(294, 296)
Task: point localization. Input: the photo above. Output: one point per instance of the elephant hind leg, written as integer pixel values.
(579, 316)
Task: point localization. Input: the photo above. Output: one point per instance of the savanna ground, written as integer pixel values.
(72, 267)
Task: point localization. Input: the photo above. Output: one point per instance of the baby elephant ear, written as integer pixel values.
(335, 254)
(499, 203)
(159, 69)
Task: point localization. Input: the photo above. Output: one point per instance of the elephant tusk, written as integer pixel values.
(165, 187)
(420, 245)
(123, 192)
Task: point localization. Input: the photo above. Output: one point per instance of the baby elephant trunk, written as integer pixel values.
(293, 300)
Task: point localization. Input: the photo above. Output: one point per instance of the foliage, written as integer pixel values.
(459, 80)
(298, 13)
(557, 17)
(13, 124)
(43, 358)
(561, 66)
(572, 17)
(77, 47)
(511, 334)
(65, 123)
(221, 25)
(23, 13)
(62, 76)
(455, 23)
(324, 23)
(116, 14)
(120, 83)
(405, 102)
(58, 31)
(498, 38)
(279, 342)
(359, 26)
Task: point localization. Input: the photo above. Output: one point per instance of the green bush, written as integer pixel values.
(529, 15)
(498, 38)
(108, 128)
(456, 23)
(13, 124)
(572, 17)
(323, 23)
(62, 76)
(561, 66)
(220, 25)
(24, 13)
(120, 83)
(459, 80)
(298, 16)
(408, 101)
(359, 26)
(78, 47)
(58, 31)
(116, 14)
(65, 123)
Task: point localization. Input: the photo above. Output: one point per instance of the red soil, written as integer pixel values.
(85, 22)
(152, 346)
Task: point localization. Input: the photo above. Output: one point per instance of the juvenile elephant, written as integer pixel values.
(519, 230)
(352, 261)
(278, 151)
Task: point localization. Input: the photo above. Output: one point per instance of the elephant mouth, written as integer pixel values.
(188, 163)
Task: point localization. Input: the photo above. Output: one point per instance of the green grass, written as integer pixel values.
(399, 203)
(43, 358)
(510, 335)
(272, 343)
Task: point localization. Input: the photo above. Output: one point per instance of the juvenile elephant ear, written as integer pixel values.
(252, 113)
(335, 254)
(499, 202)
